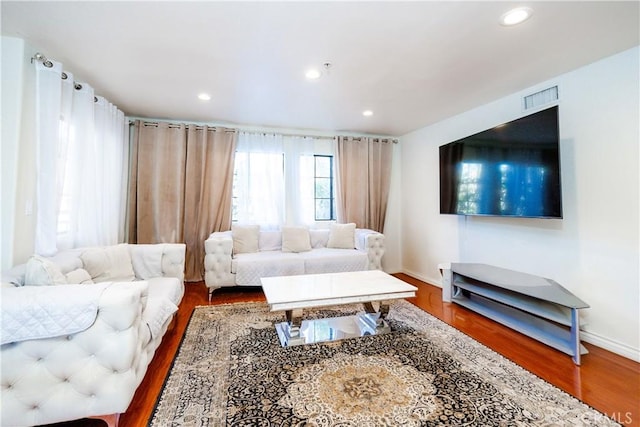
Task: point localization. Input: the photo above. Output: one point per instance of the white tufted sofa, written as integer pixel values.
(223, 267)
(93, 369)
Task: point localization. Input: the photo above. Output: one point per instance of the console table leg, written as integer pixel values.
(575, 335)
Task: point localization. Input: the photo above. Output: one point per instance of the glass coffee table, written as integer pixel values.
(293, 294)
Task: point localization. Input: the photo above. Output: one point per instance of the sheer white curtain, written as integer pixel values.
(112, 159)
(274, 178)
(299, 180)
(259, 180)
(300, 174)
(81, 161)
(50, 174)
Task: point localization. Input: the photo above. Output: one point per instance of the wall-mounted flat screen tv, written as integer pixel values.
(511, 170)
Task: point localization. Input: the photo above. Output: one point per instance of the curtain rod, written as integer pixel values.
(64, 76)
(41, 58)
(295, 135)
(394, 140)
(178, 125)
(298, 135)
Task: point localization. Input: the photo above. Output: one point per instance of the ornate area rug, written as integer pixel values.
(231, 371)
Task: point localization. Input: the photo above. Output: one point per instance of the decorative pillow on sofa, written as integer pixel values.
(43, 272)
(245, 238)
(342, 236)
(295, 239)
(79, 276)
(111, 263)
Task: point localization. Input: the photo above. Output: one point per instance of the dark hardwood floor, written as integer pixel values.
(605, 381)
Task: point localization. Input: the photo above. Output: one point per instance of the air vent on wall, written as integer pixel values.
(543, 97)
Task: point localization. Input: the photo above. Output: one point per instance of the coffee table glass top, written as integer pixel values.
(317, 290)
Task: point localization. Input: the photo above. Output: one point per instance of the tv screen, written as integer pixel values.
(510, 170)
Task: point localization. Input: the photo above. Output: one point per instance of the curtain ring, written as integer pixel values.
(48, 64)
(64, 76)
(78, 86)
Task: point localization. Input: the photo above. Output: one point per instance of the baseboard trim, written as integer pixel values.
(431, 281)
(590, 337)
(611, 345)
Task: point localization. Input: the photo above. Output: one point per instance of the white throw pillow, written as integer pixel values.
(109, 264)
(342, 236)
(79, 276)
(295, 239)
(245, 238)
(96, 263)
(43, 272)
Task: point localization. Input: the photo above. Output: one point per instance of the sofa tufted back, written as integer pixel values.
(171, 258)
(148, 260)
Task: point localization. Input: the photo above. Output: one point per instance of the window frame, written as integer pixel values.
(303, 197)
(331, 177)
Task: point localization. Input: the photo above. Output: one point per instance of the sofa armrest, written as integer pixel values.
(373, 243)
(93, 372)
(218, 250)
(36, 312)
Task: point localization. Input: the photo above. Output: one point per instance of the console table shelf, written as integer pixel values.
(535, 306)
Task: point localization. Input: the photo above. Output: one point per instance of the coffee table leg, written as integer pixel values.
(378, 315)
(294, 320)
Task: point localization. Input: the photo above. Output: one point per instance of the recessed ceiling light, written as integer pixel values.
(367, 113)
(312, 74)
(204, 97)
(516, 16)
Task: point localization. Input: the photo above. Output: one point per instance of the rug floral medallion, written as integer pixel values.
(232, 371)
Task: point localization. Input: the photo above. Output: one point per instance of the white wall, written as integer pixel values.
(12, 70)
(392, 259)
(593, 251)
(18, 152)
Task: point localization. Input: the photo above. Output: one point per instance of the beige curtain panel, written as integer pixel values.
(363, 175)
(180, 186)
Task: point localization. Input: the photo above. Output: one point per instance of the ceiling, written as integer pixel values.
(411, 63)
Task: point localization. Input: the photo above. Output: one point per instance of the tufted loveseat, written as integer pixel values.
(79, 330)
(231, 261)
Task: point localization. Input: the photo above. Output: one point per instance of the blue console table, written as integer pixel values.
(535, 306)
